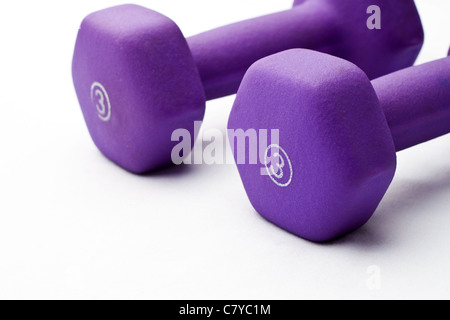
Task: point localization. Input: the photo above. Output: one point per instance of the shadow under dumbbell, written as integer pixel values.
(404, 195)
(171, 171)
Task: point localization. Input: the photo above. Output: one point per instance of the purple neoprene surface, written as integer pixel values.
(415, 105)
(335, 141)
(337, 27)
(152, 85)
(137, 80)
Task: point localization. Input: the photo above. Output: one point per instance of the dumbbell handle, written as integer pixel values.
(416, 102)
(223, 55)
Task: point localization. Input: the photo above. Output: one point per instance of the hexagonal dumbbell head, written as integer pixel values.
(335, 142)
(135, 66)
(334, 158)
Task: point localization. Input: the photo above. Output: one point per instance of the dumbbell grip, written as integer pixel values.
(223, 55)
(416, 102)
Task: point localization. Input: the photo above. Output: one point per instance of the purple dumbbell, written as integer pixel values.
(138, 79)
(336, 153)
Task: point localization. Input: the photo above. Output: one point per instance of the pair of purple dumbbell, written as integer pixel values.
(138, 80)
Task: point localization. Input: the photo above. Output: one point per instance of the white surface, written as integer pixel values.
(72, 225)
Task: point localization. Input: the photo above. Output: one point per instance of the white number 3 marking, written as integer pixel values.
(100, 99)
(280, 164)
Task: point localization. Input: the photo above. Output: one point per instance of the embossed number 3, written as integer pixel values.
(101, 108)
(280, 165)
(100, 98)
(280, 169)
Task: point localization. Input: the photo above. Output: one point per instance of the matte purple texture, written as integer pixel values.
(337, 27)
(335, 134)
(154, 81)
(415, 104)
(142, 60)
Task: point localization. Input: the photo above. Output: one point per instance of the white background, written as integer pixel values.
(73, 225)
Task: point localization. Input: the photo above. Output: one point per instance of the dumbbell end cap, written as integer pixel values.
(337, 152)
(136, 82)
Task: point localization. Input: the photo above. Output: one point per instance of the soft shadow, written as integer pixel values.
(169, 171)
(404, 195)
(172, 171)
(367, 237)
